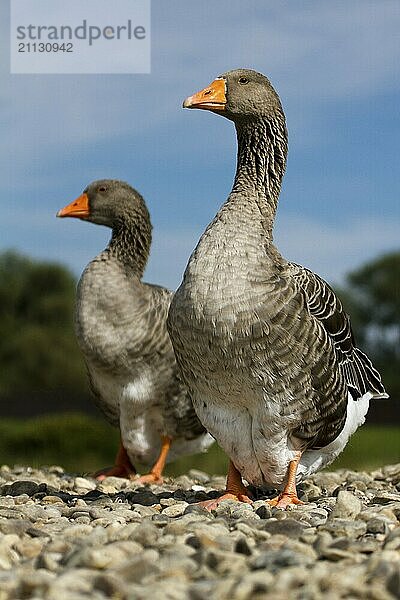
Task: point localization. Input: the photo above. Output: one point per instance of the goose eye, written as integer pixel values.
(102, 188)
(243, 80)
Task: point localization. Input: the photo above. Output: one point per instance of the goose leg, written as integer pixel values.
(235, 490)
(289, 494)
(155, 475)
(122, 468)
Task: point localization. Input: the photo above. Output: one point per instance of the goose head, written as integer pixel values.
(241, 94)
(107, 202)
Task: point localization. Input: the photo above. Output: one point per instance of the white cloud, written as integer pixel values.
(334, 250)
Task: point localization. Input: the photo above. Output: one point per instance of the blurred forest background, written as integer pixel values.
(47, 416)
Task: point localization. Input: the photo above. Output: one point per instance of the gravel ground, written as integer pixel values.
(64, 537)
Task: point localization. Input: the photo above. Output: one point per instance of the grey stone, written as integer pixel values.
(11, 513)
(263, 510)
(255, 584)
(366, 545)
(244, 511)
(170, 501)
(199, 510)
(140, 567)
(160, 520)
(194, 541)
(50, 561)
(145, 533)
(186, 523)
(124, 545)
(12, 525)
(322, 541)
(224, 562)
(176, 565)
(104, 557)
(35, 584)
(385, 497)
(377, 525)
(110, 585)
(30, 548)
(327, 481)
(21, 487)
(201, 590)
(184, 482)
(316, 517)
(144, 511)
(75, 584)
(8, 555)
(288, 527)
(242, 547)
(393, 583)
(392, 541)
(339, 527)
(175, 510)
(336, 554)
(347, 506)
(276, 560)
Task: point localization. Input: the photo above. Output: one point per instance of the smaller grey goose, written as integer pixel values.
(263, 343)
(121, 330)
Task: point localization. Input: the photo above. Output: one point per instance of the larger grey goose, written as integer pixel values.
(263, 343)
(121, 329)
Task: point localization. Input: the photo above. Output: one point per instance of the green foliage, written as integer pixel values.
(83, 444)
(370, 447)
(38, 349)
(372, 298)
(377, 285)
(77, 442)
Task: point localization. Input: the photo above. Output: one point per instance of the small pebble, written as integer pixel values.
(71, 537)
(175, 510)
(347, 506)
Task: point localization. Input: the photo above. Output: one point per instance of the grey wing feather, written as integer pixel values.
(359, 373)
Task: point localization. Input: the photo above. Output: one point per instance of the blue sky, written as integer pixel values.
(336, 68)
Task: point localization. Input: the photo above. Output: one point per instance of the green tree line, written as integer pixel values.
(38, 350)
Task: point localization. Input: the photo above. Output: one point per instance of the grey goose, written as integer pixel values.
(264, 344)
(121, 330)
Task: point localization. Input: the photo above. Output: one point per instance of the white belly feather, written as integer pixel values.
(256, 438)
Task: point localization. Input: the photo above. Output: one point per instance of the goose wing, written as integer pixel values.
(323, 304)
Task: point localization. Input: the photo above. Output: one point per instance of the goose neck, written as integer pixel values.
(130, 243)
(261, 161)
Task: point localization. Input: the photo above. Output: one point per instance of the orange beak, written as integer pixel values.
(79, 208)
(212, 97)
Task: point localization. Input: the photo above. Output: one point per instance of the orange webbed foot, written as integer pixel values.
(235, 490)
(288, 496)
(284, 500)
(215, 502)
(155, 475)
(149, 478)
(122, 468)
(116, 471)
